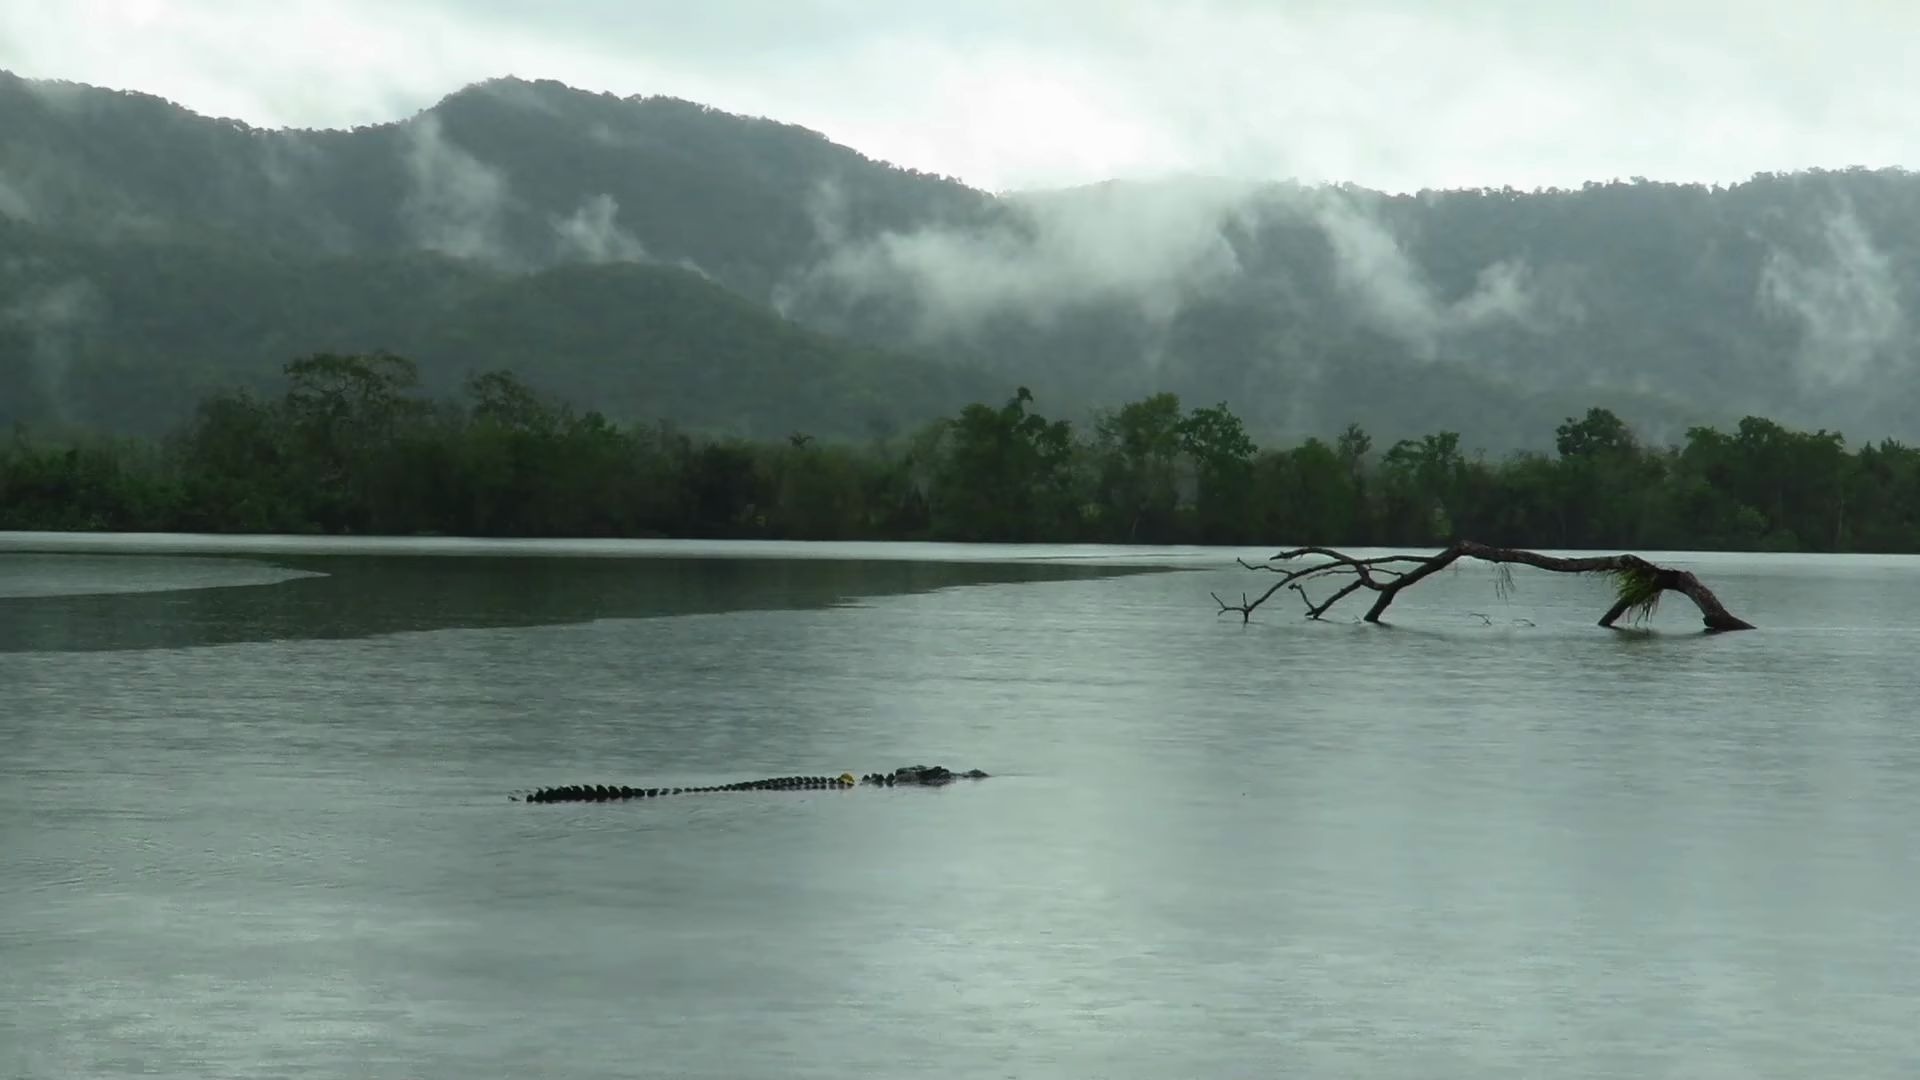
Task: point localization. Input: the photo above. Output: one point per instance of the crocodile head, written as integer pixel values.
(924, 775)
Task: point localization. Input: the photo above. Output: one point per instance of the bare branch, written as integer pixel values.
(1314, 611)
(1343, 557)
(1304, 598)
(1639, 582)
(1245, 607)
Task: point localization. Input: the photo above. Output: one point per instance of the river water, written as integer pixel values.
(254, 817)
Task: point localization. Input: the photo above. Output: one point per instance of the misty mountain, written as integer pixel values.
(1492, 312)
(130, 335)
(515, 174)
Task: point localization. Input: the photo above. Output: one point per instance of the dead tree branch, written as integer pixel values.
(1638, 584)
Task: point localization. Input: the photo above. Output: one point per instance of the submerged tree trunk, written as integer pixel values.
(1637, 582)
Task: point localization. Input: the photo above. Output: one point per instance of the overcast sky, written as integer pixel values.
(1397, 94)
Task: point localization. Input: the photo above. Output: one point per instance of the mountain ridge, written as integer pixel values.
(1491, 312)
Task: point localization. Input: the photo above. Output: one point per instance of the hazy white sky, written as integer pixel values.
(1019, 93)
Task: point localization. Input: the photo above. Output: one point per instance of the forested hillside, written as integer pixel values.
(149, 255)
(127, 336)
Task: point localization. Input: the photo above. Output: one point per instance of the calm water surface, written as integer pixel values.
(253, 818)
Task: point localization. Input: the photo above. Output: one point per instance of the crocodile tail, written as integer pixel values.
(621, 793)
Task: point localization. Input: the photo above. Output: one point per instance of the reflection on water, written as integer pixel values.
(362, 596)
(80, 575)
(446, 546)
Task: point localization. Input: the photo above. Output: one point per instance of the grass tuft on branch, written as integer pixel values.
(1636, 591)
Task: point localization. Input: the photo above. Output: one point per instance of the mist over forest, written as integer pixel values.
(660, 260)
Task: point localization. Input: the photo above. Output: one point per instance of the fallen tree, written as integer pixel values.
(1638, 583)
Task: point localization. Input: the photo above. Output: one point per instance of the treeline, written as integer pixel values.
(352, 447)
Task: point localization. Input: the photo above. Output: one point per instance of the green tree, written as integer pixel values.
(1138, 449)
(1223, 463)
(1424, 484)
(1005, 475)
(344, 413)
(1605, 483)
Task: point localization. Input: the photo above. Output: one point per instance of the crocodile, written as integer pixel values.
(905, 776)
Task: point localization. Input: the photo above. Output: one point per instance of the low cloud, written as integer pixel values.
(288, 159)
(1150, 246)
(68, 97)
(456, 204)
(55, 318)
(1846, 300)
(518, 93)
(12, 203)
(592, 234)
(1153, 247)
(1397, 296)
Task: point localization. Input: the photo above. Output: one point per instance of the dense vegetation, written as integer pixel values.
(353, 446)
(149, 256)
